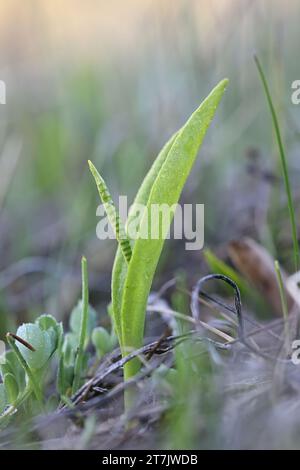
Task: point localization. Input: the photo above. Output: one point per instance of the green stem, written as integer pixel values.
(4, 418)
(83, 326)
(34, 384)
(285, 310)
(283, 164)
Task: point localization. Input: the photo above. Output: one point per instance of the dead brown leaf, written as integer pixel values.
(257, 265)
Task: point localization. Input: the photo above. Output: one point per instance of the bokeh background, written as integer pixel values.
(110, 81)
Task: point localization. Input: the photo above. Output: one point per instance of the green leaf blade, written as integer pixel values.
(120, 266)
(284, 165)
(166, 189)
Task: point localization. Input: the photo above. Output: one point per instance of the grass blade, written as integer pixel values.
(83, 326)
(284, 168)
(285, 310)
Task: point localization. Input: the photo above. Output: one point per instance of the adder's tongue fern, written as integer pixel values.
(134, 267)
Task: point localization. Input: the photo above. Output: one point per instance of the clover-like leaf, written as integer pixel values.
(75, 321)
(49, 323)
(40, 340)
(102, 341)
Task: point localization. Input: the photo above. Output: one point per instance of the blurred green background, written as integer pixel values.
(110, 82)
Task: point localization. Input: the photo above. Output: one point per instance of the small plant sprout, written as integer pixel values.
(26, 363)
(24, 370)
(73, 358)
(20, 382)
(135, 263)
